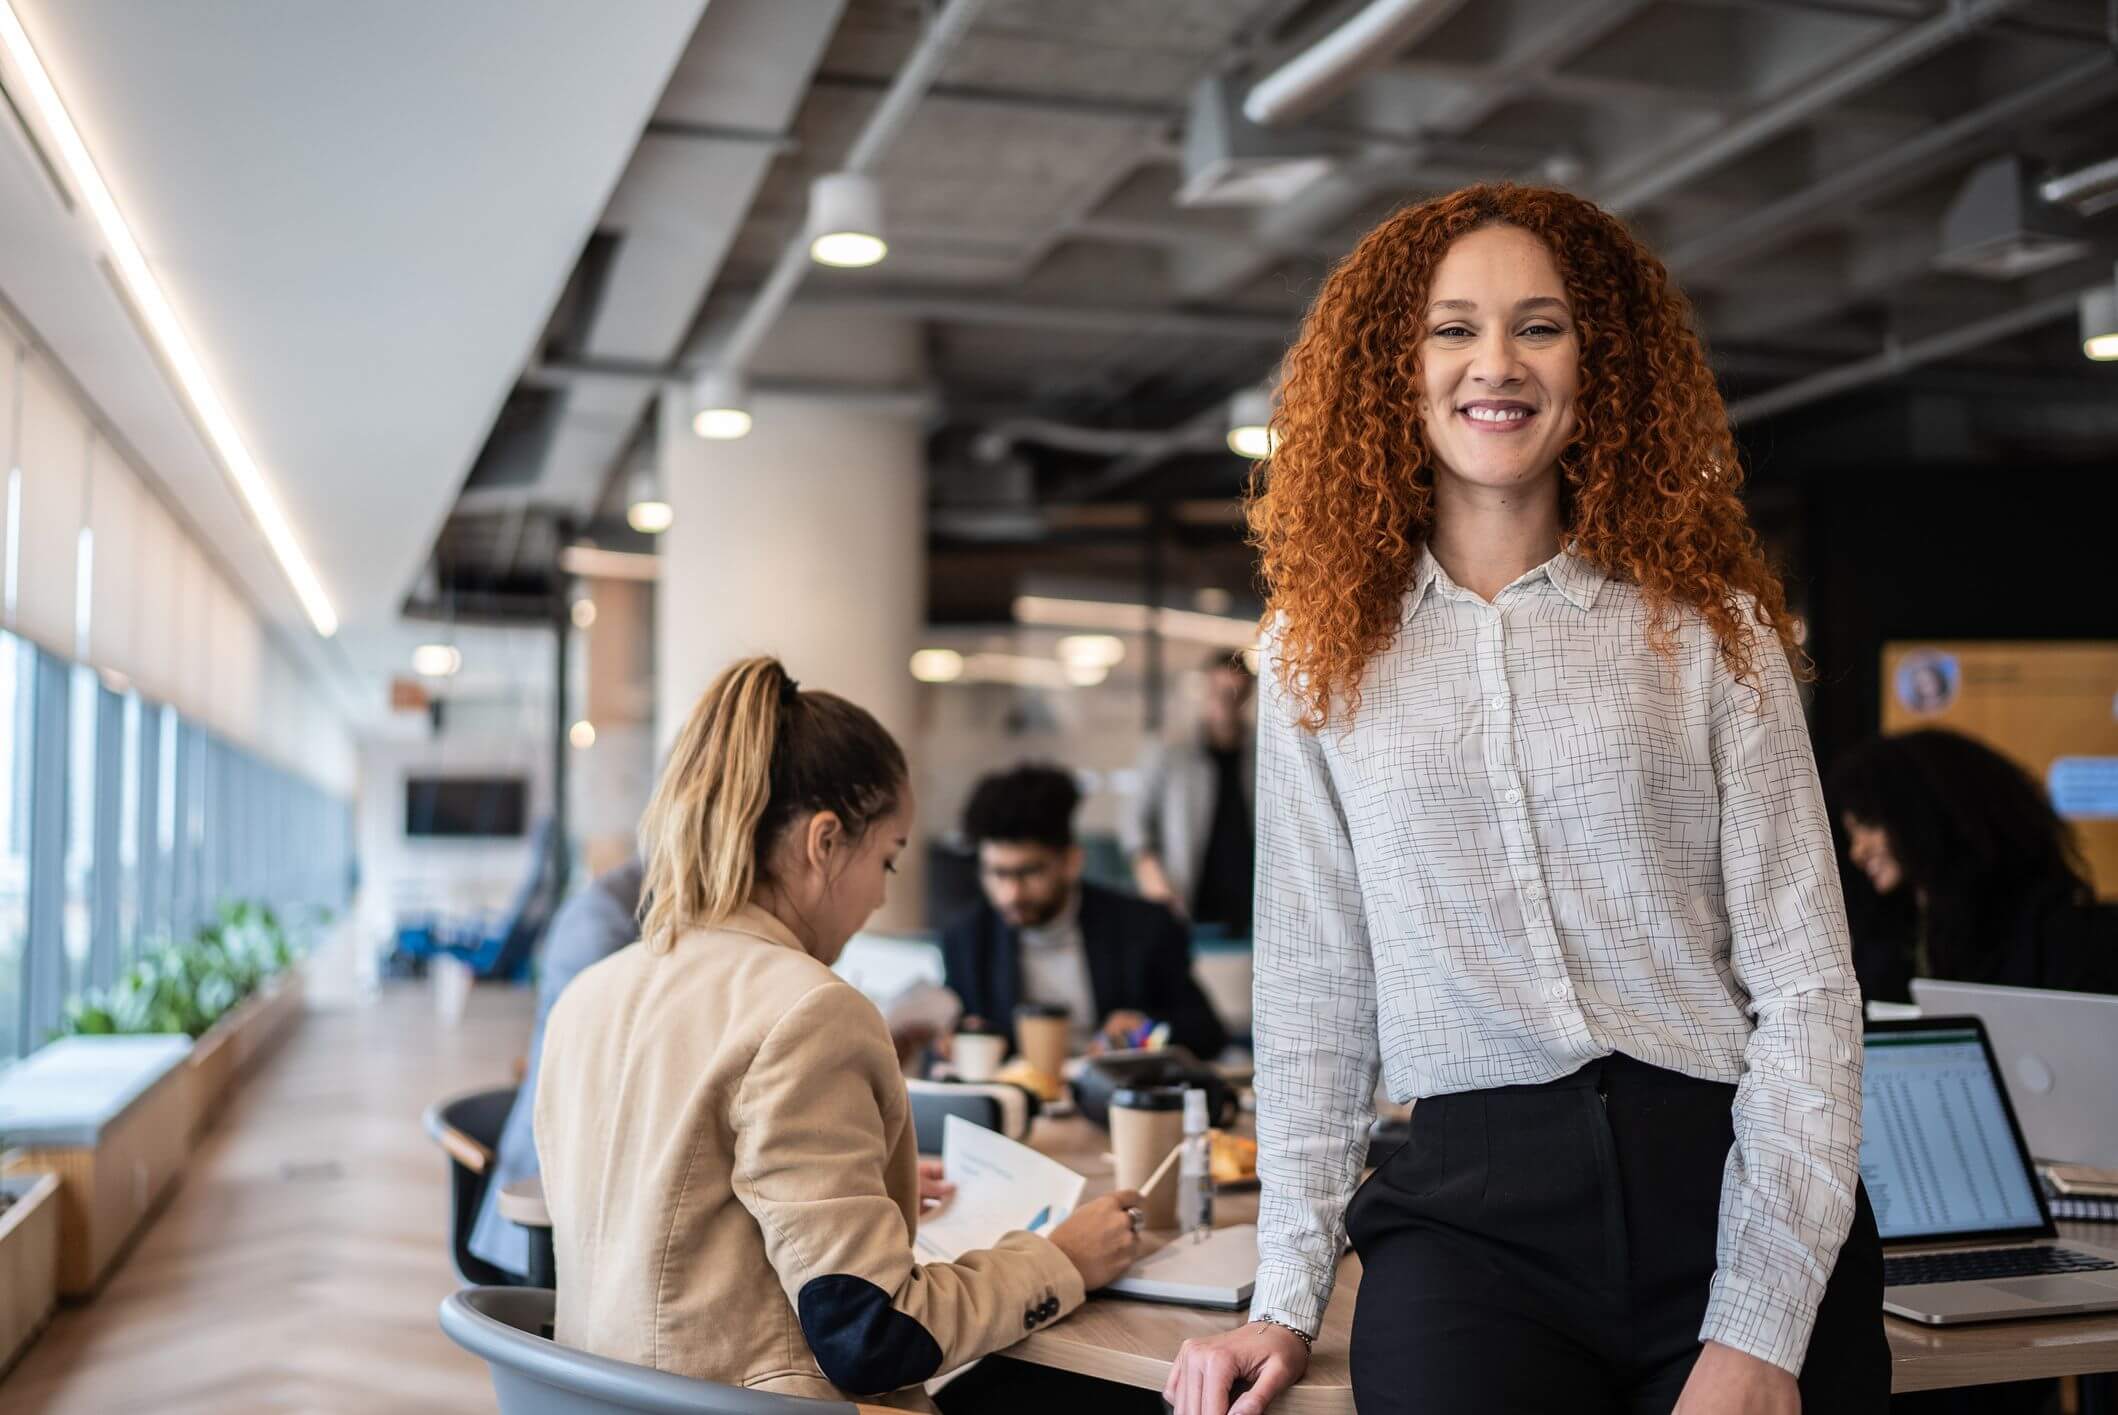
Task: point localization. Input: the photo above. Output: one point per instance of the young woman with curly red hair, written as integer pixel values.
(1541, 842)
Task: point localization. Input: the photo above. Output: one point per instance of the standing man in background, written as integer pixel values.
(1190, 831)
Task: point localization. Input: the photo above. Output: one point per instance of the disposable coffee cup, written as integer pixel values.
(1146, 1123)
(977, 1055)
(1041, 1036)
(452, 978)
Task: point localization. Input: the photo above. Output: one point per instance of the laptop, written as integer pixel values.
(1966, 1234)
(2058, 1052)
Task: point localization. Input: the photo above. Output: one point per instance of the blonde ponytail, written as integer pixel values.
(696, 835)
(755, 753)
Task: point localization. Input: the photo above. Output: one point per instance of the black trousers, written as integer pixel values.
(1549, 1248)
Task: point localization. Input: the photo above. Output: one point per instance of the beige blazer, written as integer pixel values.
(729, 1163)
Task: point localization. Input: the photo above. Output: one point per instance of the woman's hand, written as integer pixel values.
(1725, 1381)
(1099, 1238)
(932, 1187)
(1265, 1358)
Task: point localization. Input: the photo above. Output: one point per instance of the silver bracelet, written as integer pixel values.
(1308, 1341)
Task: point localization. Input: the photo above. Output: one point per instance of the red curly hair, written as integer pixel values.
(1649, 482)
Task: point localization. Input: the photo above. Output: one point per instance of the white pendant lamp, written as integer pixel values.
(720, 406)
(845, 221)
(645, 509)
(2099, 323)
(1250, 424)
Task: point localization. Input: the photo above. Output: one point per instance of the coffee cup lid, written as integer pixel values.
(1149, 1098)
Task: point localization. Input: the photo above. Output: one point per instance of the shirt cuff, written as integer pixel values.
(1292, 1296)
(1759, 1321)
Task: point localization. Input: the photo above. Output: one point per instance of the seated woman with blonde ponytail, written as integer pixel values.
(725, 1139)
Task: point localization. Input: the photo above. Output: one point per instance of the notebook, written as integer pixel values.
(1220, 1270)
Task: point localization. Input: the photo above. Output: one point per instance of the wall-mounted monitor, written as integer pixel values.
(465, 806)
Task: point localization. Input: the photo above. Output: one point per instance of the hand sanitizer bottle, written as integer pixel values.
(1195, 1170)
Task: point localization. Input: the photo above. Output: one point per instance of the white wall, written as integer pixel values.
(154, 607)
(402, 875)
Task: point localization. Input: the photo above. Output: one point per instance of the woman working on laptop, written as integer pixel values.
(1541, 838)
(726, 1143)
(1964, 871)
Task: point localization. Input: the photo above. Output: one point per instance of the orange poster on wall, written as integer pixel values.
(2053, 707)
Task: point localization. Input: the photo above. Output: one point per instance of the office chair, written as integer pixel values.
(533, 1375)
(468, 1128)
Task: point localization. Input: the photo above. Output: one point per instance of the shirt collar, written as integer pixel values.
(761, 923)
(1575, 578)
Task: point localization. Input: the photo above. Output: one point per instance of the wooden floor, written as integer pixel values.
(299, 1264)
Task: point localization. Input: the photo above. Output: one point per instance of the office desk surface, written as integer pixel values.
(1134, 1342)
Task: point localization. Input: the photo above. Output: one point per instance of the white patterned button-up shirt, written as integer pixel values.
(1539, 842)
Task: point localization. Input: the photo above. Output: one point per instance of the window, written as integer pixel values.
(78, 924)
(166, 808)
(128, 860)
(17, 679)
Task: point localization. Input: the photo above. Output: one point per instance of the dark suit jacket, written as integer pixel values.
(1139, 958)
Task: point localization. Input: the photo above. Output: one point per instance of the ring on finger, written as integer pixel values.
(1135, 1217)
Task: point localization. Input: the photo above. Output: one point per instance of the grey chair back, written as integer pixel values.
(533, 1375)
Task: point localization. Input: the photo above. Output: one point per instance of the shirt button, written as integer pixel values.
(1499, 701)
(1533, 891)
(1559, 990)
(1512, 797)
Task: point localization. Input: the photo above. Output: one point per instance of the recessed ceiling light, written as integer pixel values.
(1091, 650)
(582, 734)
(436, 660)
(937, 665)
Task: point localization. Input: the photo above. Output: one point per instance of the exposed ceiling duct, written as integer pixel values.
(1363, 43)
(2089, 190)
(876, 135)
(2001, 227)
(1899, 358)
(1231, 161)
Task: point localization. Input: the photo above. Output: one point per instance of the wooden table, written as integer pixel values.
(1134, 1343)
(522, 1202)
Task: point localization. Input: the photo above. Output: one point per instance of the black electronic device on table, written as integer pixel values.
(1104, 1076)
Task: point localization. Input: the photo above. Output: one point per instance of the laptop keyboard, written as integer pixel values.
(1980, 1264)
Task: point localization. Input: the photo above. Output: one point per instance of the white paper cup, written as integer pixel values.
(977, 1055)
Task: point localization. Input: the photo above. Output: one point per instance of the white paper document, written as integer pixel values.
(1000, 1186)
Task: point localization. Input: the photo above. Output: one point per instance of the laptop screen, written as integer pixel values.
(1939, 1152)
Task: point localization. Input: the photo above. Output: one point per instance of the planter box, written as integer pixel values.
(274, 1009)
(111, 1117)
(29, 1261)
(229, 1047)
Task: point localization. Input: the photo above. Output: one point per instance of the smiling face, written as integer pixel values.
(1868, 846)
(1499, 362)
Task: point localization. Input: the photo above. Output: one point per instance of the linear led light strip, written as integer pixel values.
(161, 322)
